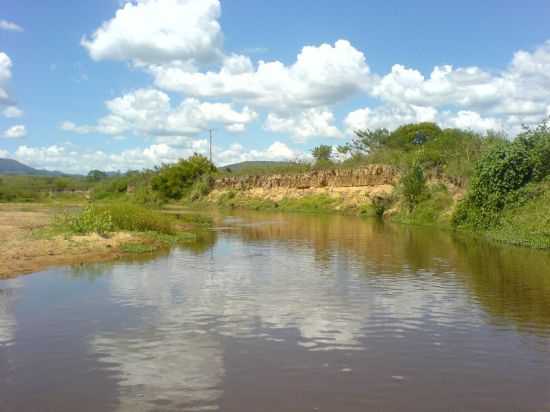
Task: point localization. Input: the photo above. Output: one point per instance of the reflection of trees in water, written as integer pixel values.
(510, 283)
(377, 245)
(205, 240)
(335, 280)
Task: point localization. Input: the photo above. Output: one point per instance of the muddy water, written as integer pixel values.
(286, 313)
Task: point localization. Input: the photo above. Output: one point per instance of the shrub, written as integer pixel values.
(202, 187)
(537, 141)
(91, 220)
(173, 181)
(413, 185)
(506, 168)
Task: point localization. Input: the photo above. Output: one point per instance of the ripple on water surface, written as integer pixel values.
(286, 313)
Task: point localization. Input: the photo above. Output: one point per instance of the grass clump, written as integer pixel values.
(151, 230)
(117, 216)
(130, 217)
(526, 222)
(432, 208)
(90, 220)
(306, 204)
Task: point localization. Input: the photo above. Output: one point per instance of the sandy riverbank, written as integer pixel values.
(26, 245)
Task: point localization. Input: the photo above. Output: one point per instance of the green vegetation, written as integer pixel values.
(41, 188)
(505, 183)
(322, 153)
(132, 186)
(413, 184)
(304, 204)
(452, 152)
(509, 191)
(96, 175)
(117, 216)
(156, 229)
(432, 208)
(175, 181)
(90, 220)
(188, 177)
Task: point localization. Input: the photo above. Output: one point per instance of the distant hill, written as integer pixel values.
(13, 167)
(250, 165)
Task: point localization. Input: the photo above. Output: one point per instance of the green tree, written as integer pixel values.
(173, 181)
(413, 135)
(365, 141)
(322, 153)
(96, 175)
(61, 184)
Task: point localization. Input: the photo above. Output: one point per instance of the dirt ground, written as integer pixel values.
(26, 246)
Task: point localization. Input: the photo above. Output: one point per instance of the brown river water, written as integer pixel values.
(278, 312)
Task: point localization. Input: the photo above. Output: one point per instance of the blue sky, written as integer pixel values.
(125, 85)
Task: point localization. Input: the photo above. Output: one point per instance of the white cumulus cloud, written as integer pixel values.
(12, 112)
(72, 159)
(5, 75)
(320, 76)
(15, 132)
(149, 112)
(156, 31)
(10, 26)
(388, 117)
(315, 122)
(469, 120)
(276, 151)
(518, 94)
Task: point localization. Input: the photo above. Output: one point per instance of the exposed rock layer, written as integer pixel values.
(372, 175)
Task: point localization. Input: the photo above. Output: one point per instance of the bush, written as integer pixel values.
(413, 185)
(173, 181)
(202, 187)
(506, 168)
(91, 220)
(537, 141)
(501, 177)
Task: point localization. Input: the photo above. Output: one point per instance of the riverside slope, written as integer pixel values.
(349, 189)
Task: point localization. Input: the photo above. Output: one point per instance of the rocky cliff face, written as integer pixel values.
(372, 175)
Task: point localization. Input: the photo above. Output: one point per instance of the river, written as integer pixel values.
(278, 312)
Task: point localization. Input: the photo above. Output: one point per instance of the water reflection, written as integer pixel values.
(8, 293)
(512, 283)
(272, 306)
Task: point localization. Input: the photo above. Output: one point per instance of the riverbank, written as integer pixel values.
(33, 239)
(525, 222)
